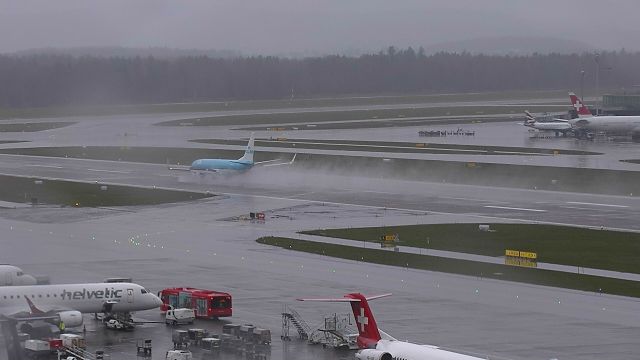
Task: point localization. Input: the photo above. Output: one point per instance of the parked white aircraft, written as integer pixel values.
(67, 302)
(559, 126)
(586, 124)
(14, 276)
(374, 347)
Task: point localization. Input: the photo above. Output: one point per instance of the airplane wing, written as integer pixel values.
(347, 299)
(386, 336)
(332, 300)
(274, 163)
(179, 168)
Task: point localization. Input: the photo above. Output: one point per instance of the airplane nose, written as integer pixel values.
(156, 301)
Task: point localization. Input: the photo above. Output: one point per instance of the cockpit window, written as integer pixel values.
(144, 291)
(20, 273)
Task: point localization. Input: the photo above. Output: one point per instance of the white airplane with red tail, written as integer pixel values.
(587, 124)
(372, 344)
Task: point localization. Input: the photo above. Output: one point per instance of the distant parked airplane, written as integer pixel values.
(243, 164)
(586, 124)
(559, 126)
(14, 276)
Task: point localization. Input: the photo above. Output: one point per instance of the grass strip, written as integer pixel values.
(344, 115)
(34, 126)
(230, 105)
(462, 267)
(153, 155)
(33, 190)
(403, 147)
(376, 124)
(564, 245)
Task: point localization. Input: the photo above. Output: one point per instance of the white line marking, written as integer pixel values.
(576, 208)
(514, 208)
(596, 204)
(45, 166)
(110, 171)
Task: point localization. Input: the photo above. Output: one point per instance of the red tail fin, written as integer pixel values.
(32, 307)
(368, 333)
(581, 109)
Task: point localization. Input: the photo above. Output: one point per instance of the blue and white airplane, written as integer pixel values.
(243, 164)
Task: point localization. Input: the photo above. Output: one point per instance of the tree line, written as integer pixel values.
(63, 80)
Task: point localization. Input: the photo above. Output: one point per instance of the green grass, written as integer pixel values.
(462, 267)
(154, 155)
(376, 124)
(42, 112)
(599, 249)
(11, 141)
(33, 127)
(69, 193)
(398, 147)
(345, 115)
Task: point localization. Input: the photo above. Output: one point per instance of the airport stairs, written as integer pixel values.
(292, 317)
(81, 353)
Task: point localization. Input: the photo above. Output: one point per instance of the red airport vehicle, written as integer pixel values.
(208, 304)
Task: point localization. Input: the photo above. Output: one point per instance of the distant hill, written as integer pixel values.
(129, 52)
(511, 45)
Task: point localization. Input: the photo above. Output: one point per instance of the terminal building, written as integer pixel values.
(621, 104)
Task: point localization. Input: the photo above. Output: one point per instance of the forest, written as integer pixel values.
(39, 80)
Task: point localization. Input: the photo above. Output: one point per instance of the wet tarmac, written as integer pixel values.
(202, 244)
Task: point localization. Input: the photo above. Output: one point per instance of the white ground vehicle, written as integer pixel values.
(116, 325)
(179, 355)
(180, 316)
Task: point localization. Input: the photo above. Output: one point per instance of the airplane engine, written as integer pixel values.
(71, 318)
(371, 354)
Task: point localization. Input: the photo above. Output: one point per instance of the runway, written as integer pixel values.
(611, 212)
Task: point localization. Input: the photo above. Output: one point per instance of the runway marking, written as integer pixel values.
(110, 171)
(513, 208)
(45, 166)
(596, 204)
(368, 191)
(576, 208)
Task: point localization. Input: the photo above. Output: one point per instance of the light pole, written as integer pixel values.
(582, 72)
(597, 59)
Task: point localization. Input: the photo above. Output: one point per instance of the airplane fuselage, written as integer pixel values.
(85, 298)
(410, 351)
(220, 164)
(551, 126)
(612, 124)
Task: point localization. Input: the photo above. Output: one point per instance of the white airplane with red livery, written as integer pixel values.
(67, 302)
(587, 124)
(374, 347)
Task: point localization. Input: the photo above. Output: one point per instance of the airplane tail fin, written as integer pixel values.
(530, 119)
(581, 109)
(368, 332)
(34, 310)
(248, 153)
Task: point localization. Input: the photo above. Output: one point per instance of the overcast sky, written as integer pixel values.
(318, 26)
